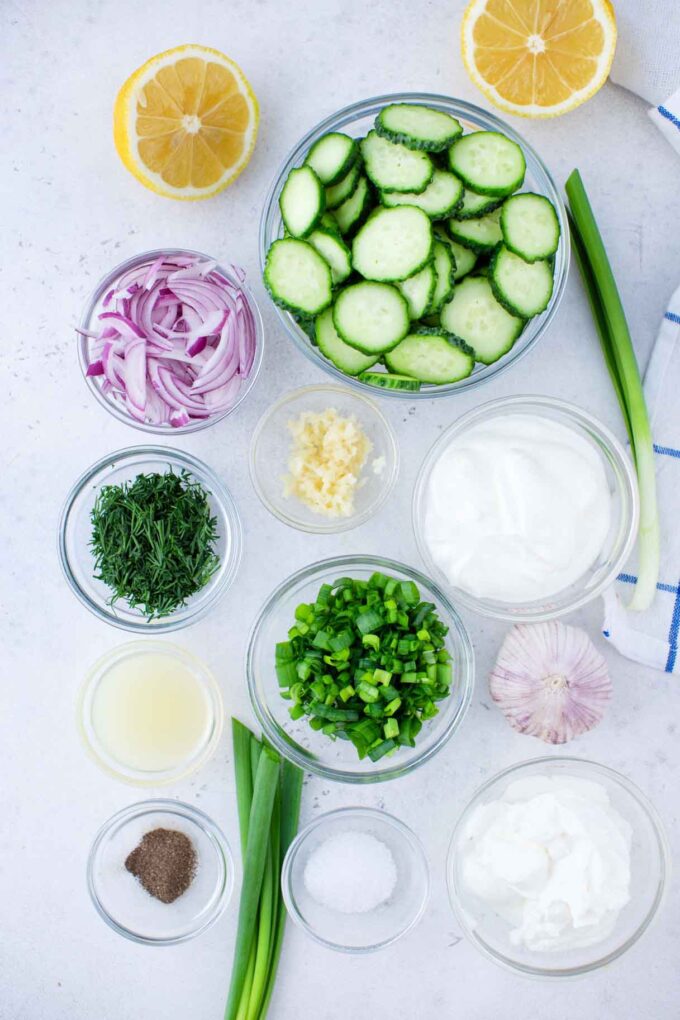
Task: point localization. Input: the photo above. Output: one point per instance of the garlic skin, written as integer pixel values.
(550, 681)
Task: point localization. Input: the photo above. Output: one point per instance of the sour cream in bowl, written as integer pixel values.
(557, 866)
(525, 508)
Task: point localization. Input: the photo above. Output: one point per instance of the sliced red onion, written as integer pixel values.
(179, 418)
(217, 399)
(135, 373)
(197, 346)
(176, 340)
(127, 327)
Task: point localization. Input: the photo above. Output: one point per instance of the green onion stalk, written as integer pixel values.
(268, 793)
(619, 355)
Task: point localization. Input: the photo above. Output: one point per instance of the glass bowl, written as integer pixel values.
(270, 452)
(96, 747)
(624, 509)
(311, 750)
(122, 901)
(88, 321)
(373, 929)
(75, 532)
(356, 120)
(650, 868)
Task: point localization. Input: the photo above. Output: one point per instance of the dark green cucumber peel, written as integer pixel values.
(390, 381)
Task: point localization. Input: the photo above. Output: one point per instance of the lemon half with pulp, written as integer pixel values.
(185, 123)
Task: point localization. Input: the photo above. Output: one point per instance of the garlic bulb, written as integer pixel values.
(550, 681)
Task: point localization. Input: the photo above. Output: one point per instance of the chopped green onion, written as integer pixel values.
(353, 683)
(391, 728)
(367, 622)
(381, 749)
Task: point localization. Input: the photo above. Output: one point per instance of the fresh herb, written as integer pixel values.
(153, 541)
(268, 793)
(619, 355)
(366, 662)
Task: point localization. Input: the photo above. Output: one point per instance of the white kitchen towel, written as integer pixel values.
(666, 116)
(647, 59)
(652, 637)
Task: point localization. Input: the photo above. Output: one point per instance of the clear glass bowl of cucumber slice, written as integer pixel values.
(484, 272)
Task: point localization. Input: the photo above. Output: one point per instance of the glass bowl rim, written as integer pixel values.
(202, 821)
(404, 831)
(119, 413)
(577, 416)
(137, 777)
(340, 524)
(656, 825)
(460, 637)
(220, 494)
(489, 121)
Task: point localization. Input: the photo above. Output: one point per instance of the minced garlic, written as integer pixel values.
(326, 459)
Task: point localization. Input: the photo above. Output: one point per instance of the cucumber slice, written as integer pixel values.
(524, 288)
(465, 259)
(432, 357)
(393, 167)
(481, 235)
(473, 205)
(340, 192)
(427, 322)
(418, 290)
(306, 324)
(302, 201)
(439, 200)
(354, 209)
(393, 244)
(346, 358)
(331, 157)
(333, 249)
(297, 277)
(475, 316)
(444, 268)
(387, 381)
(329, 223)
(417, 127)
(488, 162)
(530, 226)
(371, 317)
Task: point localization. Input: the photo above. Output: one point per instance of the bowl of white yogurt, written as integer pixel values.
(526, 508)
(557, 866)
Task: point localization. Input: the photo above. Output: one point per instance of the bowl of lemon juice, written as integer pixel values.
(150, 712)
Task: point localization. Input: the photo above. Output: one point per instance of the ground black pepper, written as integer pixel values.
(164, 863)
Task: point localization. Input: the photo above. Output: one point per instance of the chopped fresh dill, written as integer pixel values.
(153, 541)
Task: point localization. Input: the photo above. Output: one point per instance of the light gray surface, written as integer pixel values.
(70, 213)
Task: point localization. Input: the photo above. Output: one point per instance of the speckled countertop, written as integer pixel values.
(69, 213)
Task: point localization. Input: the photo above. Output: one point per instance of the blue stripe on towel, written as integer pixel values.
(673, 636)
(668, 451)
(669, 116)
(672, 317)
(674, 589)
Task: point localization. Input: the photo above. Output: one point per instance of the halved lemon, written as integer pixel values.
(185, 123)
(538, 58)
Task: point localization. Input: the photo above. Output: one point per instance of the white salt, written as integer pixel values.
(351, 873)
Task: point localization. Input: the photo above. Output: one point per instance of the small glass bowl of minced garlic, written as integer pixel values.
(323, 459)
(160, 872)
